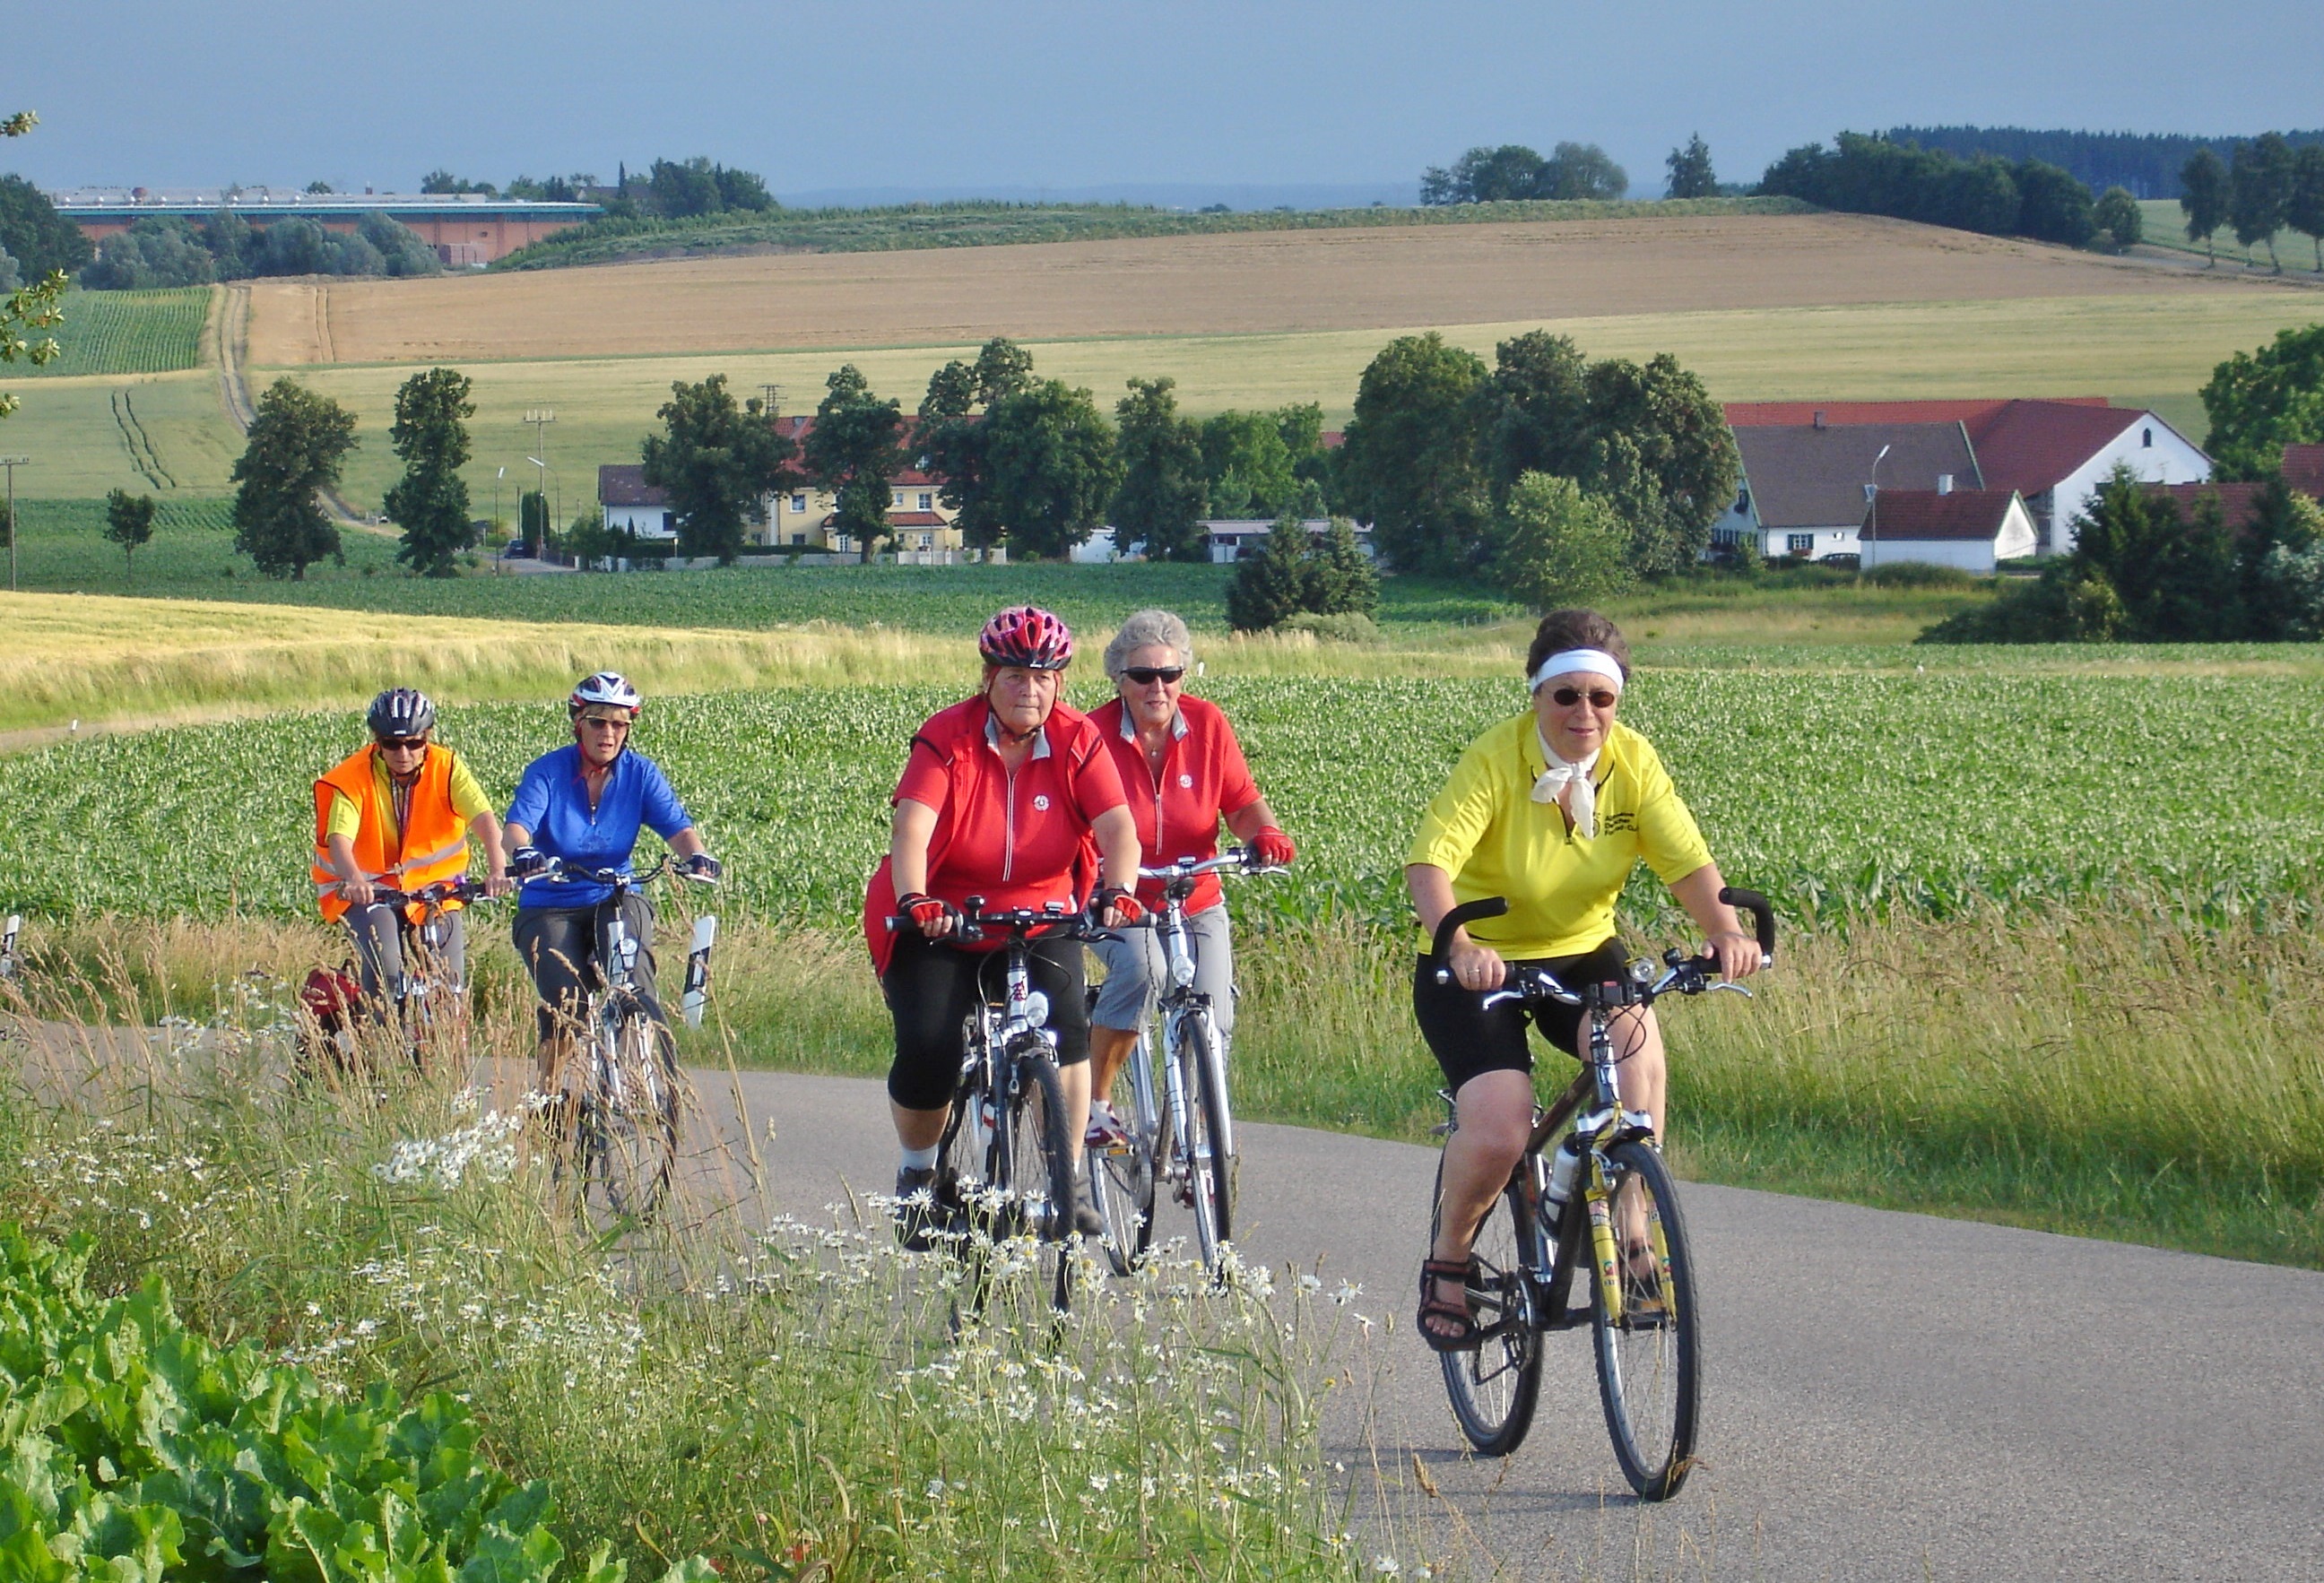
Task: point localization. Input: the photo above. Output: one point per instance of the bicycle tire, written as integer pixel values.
(1495, 1385)
(1036, 1173)
(629, 1116)
(1210, 1168)
(1121, 1185)
(1650, 1364)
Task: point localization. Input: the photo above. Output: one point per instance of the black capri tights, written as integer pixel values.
(932, 987)
(1469, 1039)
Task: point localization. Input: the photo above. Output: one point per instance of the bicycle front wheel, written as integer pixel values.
(628, 1118)
(1494, 1386)
(1038, 1185)
(1210, 1166)
(1647, 1325)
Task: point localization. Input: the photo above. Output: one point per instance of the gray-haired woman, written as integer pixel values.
(1183, 772)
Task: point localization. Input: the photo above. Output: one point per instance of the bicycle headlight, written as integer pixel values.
(1036, 1009)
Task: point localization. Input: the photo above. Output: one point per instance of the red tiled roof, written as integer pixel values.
(1917, 515)
(2303, 469)
(797, 427)
(1803, 476)
(624, 484)
(1975, 413)
(1333, 439)
(916, 520)
(2235, 499)
(2030, 445)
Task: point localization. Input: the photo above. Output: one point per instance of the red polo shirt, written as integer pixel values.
(1202, 779)
(1018, 839)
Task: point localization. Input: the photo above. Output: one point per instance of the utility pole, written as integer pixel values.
(541, 418)
(12, 464)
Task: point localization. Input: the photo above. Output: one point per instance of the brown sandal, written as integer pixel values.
(1435, 1307)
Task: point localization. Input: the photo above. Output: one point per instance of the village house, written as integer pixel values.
(2055, 453)
(1974, 529)
(1806, 486)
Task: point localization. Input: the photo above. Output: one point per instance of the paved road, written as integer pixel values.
(1889, 1395)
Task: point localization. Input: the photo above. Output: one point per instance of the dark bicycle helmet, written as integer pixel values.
(401, 711)
(1027, 635)
(608, 688)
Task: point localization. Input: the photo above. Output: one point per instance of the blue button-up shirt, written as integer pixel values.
(552, 802)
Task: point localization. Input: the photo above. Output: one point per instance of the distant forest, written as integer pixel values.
(2147, 163)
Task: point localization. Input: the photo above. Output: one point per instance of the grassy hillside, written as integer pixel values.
(983, 225)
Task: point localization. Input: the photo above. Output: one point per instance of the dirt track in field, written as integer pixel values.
(1244, 283)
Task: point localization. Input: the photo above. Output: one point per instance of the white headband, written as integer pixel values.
(1596, 661)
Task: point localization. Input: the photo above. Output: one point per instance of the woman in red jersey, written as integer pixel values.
(1001, 798)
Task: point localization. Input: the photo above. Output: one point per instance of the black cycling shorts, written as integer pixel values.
(932, 987)
(1469, 1039)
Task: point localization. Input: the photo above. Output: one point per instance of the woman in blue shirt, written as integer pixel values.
(585, 806)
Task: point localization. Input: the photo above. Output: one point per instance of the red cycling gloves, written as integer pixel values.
(1273, 848)
(925, 911)
(1124, 904)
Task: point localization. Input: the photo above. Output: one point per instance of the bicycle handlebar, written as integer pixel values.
(463, 890)
(1686, 975)
(1240, 860)
(558, 872)
(1052, 922)
(1468, 912)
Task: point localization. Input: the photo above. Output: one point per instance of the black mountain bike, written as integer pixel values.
(626, 1111)
(1604, 1200)
(427, 1010)
(1005, 1163)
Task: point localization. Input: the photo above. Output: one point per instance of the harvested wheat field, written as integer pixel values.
(1238, 284)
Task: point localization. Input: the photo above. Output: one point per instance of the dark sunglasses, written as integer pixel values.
(391, 744)
(600, 719)
(1146, 675)
(1600, 697)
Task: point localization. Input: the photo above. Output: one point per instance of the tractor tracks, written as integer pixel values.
(142, 456)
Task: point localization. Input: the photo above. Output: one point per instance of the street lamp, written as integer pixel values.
(1872, 500)
(540, 493)
(12, 464)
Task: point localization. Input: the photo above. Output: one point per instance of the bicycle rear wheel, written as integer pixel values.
(1038, 1180)
(628, 1116)
(1648, 1332)
(1494, 1386)
(1121, 1184)
(1210, 1167)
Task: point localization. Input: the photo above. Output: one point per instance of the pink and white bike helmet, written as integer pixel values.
(1028, 636)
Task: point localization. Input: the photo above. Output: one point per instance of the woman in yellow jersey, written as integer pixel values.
(1552, 809)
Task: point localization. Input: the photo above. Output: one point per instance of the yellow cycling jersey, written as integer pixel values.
(1484, 829)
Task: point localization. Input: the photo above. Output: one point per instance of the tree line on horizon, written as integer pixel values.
(2145, 164)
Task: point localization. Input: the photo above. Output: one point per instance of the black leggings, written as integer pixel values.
(932, 987)
(559, 947)
(1469, 1039)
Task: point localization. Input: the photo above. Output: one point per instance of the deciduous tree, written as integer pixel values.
(2203, 199)
(1160, 500)
(855, 451)
(1409, 463)
(298, 441)
(716, 462)
(2259, 191)
(129, 523)
(952, 438)
(1248, 466)
(2304, 211)
(2259, 402)
(1691, 175)
(2118, 215)
(430, 501)
(1553, 545)
(1051, 466)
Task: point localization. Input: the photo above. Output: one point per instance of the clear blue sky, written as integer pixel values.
(950, 94)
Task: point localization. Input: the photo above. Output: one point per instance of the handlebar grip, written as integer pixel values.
(1468, 912)
(1763, 916)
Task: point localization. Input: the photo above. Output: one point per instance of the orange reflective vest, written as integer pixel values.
(433, 844)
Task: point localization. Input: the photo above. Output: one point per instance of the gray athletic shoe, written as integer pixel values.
(916, 1208)
(1087, 1219)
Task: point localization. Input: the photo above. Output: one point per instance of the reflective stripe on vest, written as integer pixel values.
(434, 835)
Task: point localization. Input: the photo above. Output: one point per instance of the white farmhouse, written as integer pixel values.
(1974, 529)
(629, 502)
(1804, 485)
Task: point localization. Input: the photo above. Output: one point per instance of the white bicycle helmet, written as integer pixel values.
(608, 688)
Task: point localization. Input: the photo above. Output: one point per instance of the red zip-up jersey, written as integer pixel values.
(1018, 839)
(1202, 779)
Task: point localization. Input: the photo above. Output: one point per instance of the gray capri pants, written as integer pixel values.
(378, 932)
(1137, 972)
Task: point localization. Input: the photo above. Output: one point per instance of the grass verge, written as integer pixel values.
(801, 1401)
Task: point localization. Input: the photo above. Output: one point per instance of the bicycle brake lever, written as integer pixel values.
(1725, 984)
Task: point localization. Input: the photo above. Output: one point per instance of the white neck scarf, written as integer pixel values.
(1581, 802)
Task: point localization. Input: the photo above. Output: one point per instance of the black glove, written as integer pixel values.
(526, 862)
(702, 865)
